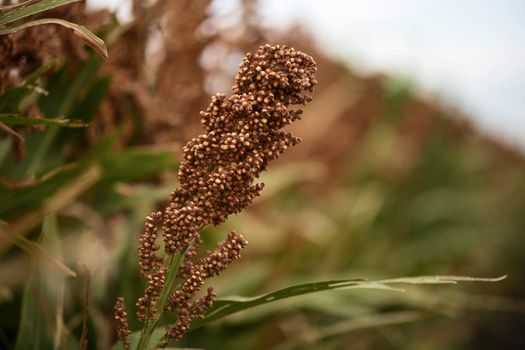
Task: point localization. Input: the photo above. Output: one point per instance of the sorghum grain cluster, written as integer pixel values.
(218, 177)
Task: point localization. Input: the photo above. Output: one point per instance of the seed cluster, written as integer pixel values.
(181, 301)
(219, 168)
(121, 318)
(148, 258)
(187, 264)
(187, 314)
(211, 265)
(146, 308)
(218, 178)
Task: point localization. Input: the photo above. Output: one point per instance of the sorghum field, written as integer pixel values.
(188, 181)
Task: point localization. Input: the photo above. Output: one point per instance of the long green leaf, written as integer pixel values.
(60, 199)
(82, 32)
(63, 94)
(227, 306)
(32, 331)
(18, 199)
(41, 320)
(30, 8)
(16, 119)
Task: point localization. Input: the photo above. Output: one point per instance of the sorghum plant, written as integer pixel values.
(217, 178)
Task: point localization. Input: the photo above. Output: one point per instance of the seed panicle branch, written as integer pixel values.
(121, 318)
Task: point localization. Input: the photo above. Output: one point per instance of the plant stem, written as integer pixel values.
(173, 263)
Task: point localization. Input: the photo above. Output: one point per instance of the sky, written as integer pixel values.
(469, 53)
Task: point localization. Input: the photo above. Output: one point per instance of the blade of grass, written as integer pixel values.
(60, 199)
(11, 99)
(15, 119)
(63, 107)
(82, 32)
(41, 321)
(21, 4)
(227, 306)
(34, 318)
(31, 8)
(146, 336)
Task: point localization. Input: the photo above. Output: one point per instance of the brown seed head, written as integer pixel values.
(121, 318)
(218, 171)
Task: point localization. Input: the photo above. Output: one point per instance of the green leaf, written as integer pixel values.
(133, 164)
(227, 306)
(64, 91)
(21, 4)
(59, 199)
(32, 331)
(41, 321)
(136, 163)
(158, 333)
(87, 108)
(16, 119)
(20, 199)
(10, 99)
(30, 8)
(31, 79)
(82, 32)
(47, 150)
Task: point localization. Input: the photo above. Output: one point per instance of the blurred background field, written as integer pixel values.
(388, 182)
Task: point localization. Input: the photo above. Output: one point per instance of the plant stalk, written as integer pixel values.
(173, 264)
